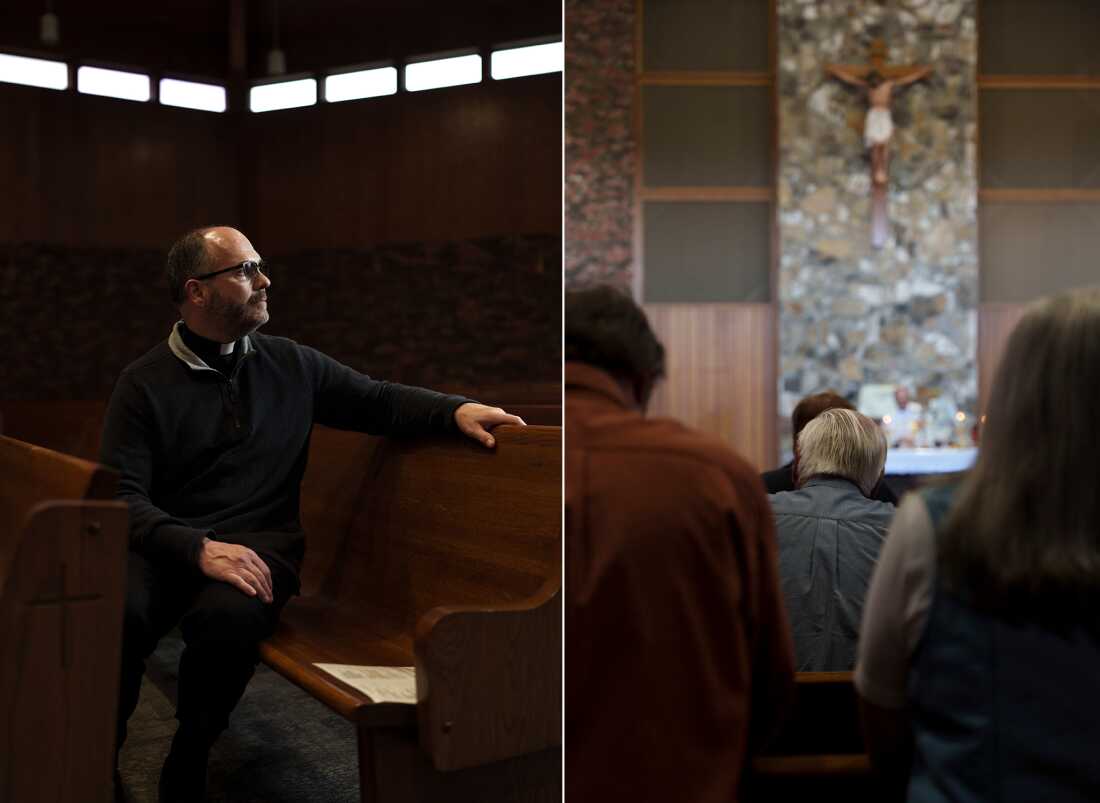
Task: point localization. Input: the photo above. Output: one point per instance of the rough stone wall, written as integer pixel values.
(599, 141)
(463, 315)
(907, 313)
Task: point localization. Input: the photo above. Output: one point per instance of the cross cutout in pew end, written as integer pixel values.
(879, 80)
(60, 597)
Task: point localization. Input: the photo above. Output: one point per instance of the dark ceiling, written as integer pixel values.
(192, 36)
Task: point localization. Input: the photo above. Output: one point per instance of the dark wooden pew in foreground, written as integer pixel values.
(820, 753)
(445, 556)
(62, 582)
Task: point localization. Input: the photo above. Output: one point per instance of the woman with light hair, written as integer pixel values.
(980, 647)
(829, 535)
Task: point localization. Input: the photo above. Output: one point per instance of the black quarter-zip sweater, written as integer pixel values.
(204, 453)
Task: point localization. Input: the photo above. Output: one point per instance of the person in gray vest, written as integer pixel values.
(830, 533)
(980, 645)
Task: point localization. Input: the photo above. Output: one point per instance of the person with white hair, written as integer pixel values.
(830, 532)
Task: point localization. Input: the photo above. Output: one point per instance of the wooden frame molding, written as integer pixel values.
(1038, 82)
(712, 194)
(705, 78)
(1038, 195)
(743, 412)
(686, 194)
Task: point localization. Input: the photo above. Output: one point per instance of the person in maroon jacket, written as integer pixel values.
(679, 661)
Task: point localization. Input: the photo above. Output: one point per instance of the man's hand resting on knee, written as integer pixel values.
(237, 565)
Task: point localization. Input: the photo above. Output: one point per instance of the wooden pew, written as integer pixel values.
(74, 427)
(540, 414)
(68, 426)
(62, 584)
(445, 556)
(820, 752)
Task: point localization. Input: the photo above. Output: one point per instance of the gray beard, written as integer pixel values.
(237, 320)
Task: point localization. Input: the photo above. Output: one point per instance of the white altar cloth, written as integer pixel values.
(929, 461)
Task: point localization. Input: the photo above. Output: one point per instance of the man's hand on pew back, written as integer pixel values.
(475, 420)
(237, 565)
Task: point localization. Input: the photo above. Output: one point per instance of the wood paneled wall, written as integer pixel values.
(995, 323)
(453, 164)
(459, 163)
(87, 171)
(721, 373)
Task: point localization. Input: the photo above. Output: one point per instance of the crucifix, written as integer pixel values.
(879, 80)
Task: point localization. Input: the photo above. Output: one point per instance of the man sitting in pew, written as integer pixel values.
(210, 433)
(678, 661)
(808, 408)
(830, 534)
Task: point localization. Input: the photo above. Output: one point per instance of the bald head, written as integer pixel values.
(226, 246)
(217, 280)
(204, 250)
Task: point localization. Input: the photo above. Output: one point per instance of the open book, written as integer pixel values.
(383, 684)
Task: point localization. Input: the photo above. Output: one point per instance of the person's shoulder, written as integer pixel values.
(795, 502)
(676, 439)
(912, 533)
(875, 512)
(832, 501)
(274, 343)
(283, 352)
(778, 479)
(151, 362)
(937, 497)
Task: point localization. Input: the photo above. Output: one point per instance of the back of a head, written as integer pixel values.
(810, 407)
(606, 329)
(842, 443)
(186, 258)
(1025, 526)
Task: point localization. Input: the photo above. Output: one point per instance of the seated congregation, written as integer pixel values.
(819, 641)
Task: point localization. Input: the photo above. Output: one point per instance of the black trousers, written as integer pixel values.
(222, 628)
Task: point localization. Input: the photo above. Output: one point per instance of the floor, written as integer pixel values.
(282, 746)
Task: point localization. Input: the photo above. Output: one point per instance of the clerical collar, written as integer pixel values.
(211, 352)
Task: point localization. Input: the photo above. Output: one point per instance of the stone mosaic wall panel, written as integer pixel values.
(457, 315)
(599, 141)
(906, 313)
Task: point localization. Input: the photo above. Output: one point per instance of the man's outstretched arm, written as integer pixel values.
(347, 399)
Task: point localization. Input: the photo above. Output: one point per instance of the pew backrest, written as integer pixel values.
(62, 581)
(31, 474)
(71, 426)
(442, 523)
(819, 754)
(443, 554)
(825, 719)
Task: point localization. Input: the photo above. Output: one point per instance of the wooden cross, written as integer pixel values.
(879, 80)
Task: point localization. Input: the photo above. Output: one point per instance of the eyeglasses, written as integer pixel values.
(249, 268)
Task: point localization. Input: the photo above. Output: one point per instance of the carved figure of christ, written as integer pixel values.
(879, 126)
(880, 81)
